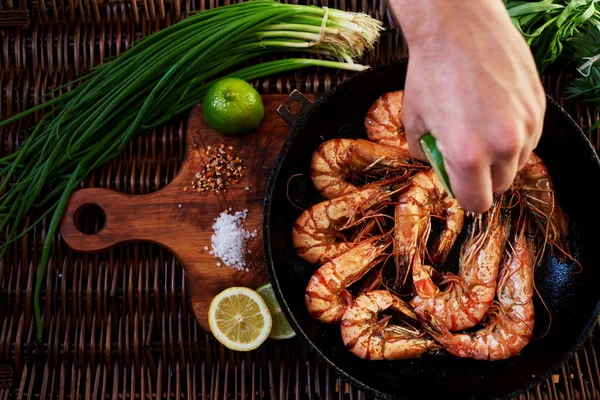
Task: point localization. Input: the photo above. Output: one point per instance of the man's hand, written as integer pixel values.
(472, 82)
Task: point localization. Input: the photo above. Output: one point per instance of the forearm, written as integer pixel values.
(425, 20)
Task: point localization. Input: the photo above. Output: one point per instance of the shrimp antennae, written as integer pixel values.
(287, 191)
(546, 308)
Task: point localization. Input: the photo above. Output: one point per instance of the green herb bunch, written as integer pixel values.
(564, 33)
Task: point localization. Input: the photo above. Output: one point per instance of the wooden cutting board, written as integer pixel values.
(181, 220)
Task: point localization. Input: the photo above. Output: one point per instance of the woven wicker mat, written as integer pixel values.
(118, 324)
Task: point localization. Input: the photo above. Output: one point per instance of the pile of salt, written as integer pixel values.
(229, 239)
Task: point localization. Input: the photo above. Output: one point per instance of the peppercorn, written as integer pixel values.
(222, 169)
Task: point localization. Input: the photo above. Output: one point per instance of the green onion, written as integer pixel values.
(159, 77)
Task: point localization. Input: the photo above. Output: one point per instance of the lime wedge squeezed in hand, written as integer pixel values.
(436, 159)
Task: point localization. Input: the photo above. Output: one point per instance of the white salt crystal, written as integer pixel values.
(229, 239)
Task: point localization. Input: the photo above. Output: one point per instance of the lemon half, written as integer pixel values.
(239, 318)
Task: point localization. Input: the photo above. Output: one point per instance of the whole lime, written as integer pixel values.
(232, 106)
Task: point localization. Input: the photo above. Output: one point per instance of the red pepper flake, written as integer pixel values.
(223, 168)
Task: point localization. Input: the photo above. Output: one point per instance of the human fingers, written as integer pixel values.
(505, 145)
(503, 174)
(469, 174)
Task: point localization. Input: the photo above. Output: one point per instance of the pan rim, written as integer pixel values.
(268, 205)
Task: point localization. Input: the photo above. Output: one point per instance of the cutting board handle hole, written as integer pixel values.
(89, 219)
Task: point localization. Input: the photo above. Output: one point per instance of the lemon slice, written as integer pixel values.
(281, 328)
(239, 318)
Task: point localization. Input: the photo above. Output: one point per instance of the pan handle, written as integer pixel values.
(284, 112)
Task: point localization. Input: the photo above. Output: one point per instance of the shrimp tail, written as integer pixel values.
(347, 297)
(373, 282)
(441, 250)
(435, 328)
(401, 307)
